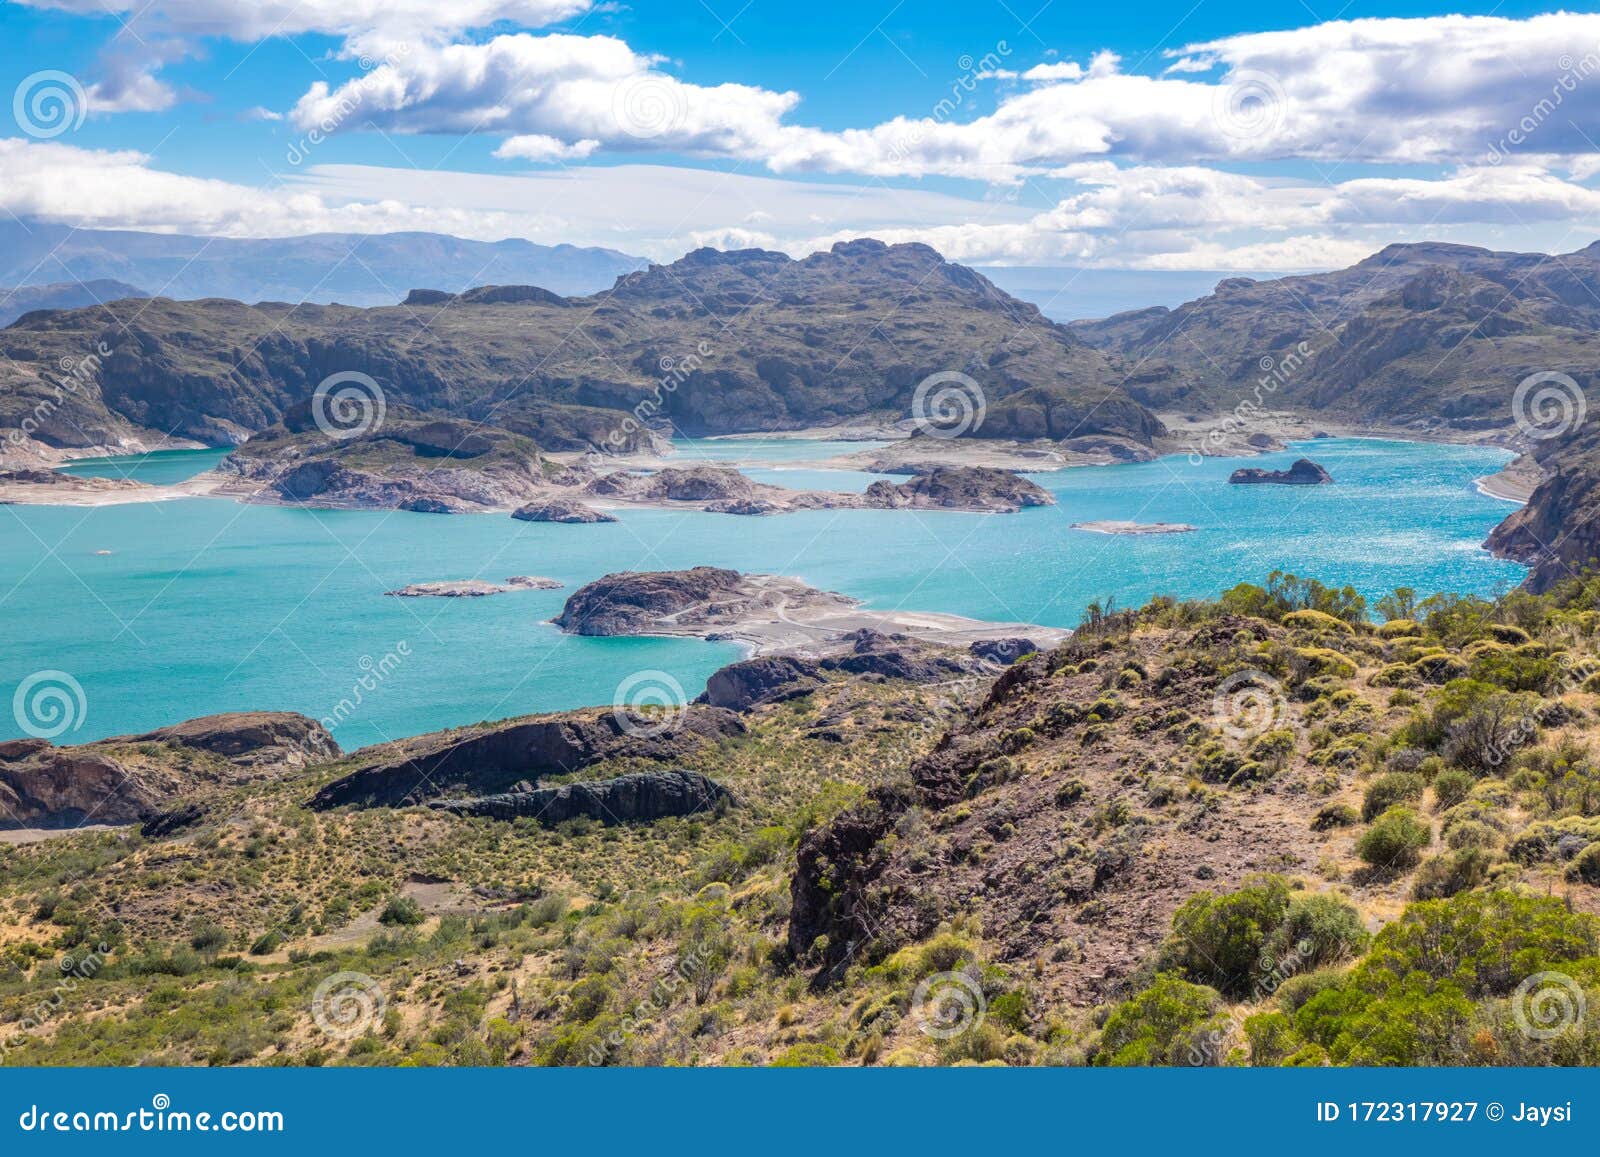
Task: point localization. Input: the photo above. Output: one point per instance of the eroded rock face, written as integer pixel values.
(560, 510)
(45, 786)
(770, 679)
(1003, 651)
(638, 798)
(492, 760)
(1304, 472)
(250, 738)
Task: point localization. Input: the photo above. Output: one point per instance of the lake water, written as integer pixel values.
(165, 611)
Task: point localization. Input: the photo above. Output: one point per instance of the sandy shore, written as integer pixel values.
(68, 494)
(1515, 483)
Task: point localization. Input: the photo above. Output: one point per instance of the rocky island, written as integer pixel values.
(1304, 472)
(768, 613)
(474, 588)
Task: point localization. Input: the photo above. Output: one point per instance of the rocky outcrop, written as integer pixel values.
(643, 602)
(641, 797)
(1004, 651)
(899, 657)
(249, 739)
(1304, 472)
(769, 679)
(117, 781)
(44, 786)
(1557, 534)
(975, 488)
(392, 460)
(559, 510)
(490, 760)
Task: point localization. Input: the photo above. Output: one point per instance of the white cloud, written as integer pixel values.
(1437, 89)
(250, 20)
(1188, 217)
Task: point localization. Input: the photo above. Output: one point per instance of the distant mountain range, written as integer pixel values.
(23, 299)
(352, 268)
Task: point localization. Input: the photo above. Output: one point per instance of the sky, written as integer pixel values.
(1146, 135)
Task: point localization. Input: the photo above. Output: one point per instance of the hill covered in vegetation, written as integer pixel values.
(1282, 827)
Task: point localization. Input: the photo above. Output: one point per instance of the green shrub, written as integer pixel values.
(1387, 790)
(1319, 929)
(1585, 866)
(1451, 787)
(1394, 839)
(401, 910)
(1220, 940)
(1172, 1022)
(1450, 872)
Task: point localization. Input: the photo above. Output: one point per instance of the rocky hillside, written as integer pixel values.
(24, 299)
(1415, 334)
(1278, 828)
(714, 343)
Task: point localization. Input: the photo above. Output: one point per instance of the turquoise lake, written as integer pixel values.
(206, 605)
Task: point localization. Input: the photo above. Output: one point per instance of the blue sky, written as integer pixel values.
(1143, 135)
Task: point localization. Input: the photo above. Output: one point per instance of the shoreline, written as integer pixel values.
(1513, 483)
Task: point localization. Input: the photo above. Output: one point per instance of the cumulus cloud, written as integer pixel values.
(1436, 89)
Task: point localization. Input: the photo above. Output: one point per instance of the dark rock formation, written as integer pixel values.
(1003, 651)
(631, 602)
(769, 679)
(559, 510)
(641, 797)
(168, 823)
(899, 657)
(977, 488)
(491, 760)
(1304, 472)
